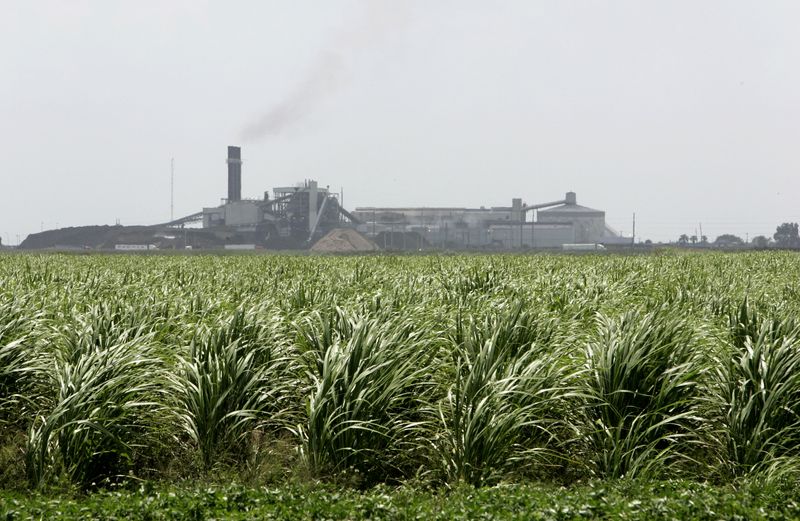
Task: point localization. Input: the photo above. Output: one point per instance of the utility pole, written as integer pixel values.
(172, 190)
(633, 235)
(701, 233)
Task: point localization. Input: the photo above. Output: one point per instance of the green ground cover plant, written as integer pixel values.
(630, 500)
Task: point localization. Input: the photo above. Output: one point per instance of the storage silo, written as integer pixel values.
(589, 224)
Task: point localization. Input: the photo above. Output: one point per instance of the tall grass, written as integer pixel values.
(228, 387)
(102, 416)
(756, 394)
(643, 372)
(444, 369)
(508, 385)
(368, 383)
(19, 360)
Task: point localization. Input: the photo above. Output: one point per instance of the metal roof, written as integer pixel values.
(570, 208)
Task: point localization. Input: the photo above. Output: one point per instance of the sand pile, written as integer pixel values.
(343, 240)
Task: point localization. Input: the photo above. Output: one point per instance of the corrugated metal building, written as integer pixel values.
(507, 227)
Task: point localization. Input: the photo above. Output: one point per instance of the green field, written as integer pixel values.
(431, 385)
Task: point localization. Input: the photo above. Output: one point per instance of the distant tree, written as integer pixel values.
(683, 239)
(759, 241)
(787, 236)
(704, 239)
(693, 239)
(727, 239)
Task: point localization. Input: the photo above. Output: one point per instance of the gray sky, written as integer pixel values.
(681, 111)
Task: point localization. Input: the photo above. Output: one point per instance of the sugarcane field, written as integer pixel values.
(394, 373)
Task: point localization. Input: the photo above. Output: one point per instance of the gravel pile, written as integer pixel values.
(342, 240)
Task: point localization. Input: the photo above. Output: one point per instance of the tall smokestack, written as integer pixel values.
(312, 204)
(234, 174)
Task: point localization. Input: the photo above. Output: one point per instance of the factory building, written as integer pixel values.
(297, 216)
(294, 217)
(502, 227)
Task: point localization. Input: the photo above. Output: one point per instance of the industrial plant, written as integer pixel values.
(545, 225)
(308, 216)
(294, 217)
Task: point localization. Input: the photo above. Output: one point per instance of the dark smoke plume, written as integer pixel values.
(327, 73)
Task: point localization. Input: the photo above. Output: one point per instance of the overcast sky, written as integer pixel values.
(684, 112)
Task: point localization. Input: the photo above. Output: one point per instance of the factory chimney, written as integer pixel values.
(312, 204)
(234, 174)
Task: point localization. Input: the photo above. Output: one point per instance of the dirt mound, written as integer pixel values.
(106, 237)
(82, 237)
(343, 240)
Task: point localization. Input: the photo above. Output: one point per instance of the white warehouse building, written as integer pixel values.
(516, 226)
